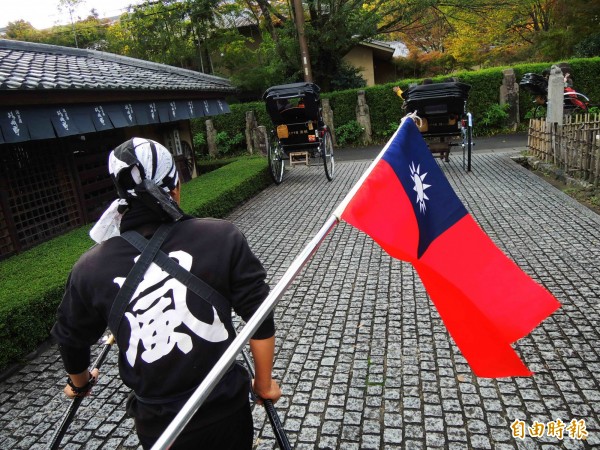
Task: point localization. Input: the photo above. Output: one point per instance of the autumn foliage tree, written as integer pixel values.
(502, 32)
(255, 42)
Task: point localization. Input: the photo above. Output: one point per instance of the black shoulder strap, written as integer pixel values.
(135, 276)
(188, 279)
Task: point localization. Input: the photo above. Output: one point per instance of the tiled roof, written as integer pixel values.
(29, 66)
(398, 48)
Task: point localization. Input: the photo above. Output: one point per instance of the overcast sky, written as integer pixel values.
(44, 13)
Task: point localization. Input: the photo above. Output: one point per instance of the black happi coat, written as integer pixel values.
(169, 338)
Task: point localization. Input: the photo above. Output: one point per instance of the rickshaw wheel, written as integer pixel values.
(327, 155)
(274, 156)
(467, 142)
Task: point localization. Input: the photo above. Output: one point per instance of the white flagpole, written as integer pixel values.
(168, 437)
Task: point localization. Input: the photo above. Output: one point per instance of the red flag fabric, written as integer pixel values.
(486, 301)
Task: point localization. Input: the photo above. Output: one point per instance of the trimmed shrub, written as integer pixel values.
(33, 281)
(32, 287)
(495, 117)
(349, 133)
(343, 104)
(218, 192)
(209, 164)
(385, 106)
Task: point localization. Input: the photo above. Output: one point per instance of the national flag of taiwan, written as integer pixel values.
(408, 207)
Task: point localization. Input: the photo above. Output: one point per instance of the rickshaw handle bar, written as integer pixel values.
(69, 414)
(168, 437)
(282, 439)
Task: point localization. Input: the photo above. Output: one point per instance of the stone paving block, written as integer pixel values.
(308, 434)
(111, 444)
(327, 443)
(411, 444)
(363, 356)
(392, 436)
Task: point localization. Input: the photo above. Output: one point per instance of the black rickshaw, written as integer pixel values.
(445, 121)
(298, 127)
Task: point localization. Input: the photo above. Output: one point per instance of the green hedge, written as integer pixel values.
(205, 166)
(32, 286)
(216, 193)
(385, 107)
(33, 281)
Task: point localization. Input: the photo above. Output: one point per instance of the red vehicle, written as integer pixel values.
(537, 86)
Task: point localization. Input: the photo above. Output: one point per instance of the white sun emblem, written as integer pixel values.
(419, 186)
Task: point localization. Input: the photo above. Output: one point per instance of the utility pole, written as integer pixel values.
(299, 13)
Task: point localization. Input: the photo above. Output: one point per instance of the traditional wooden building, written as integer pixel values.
(374, 60)
(61, 112)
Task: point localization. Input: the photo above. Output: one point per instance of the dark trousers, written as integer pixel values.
(235, 432)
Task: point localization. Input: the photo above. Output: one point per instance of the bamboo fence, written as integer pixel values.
(573, 146)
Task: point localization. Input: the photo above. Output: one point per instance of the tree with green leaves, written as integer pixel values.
(176, 32)
(91, 33)
(69, 6)
(255, 42)
(154, 31)
(334, 27)
(21, 30)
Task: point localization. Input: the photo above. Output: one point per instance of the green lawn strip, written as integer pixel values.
(32, 282)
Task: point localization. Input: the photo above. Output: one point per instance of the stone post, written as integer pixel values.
(251, 124)
(363, 117)
(211, 138)
(328, 118)
(509, 94)
(556, 91)
(262, 139)
(554, 111)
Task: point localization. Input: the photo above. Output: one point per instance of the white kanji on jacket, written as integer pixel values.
(156, 314)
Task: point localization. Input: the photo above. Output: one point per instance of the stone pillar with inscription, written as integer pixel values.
(556, 93)
(262, 139)
(328, 117)
(363, 117)
(211, 138)
(509, 95)
(251, 124)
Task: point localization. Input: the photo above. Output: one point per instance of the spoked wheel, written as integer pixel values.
(327, 154)
(275, 157)
(467, 140)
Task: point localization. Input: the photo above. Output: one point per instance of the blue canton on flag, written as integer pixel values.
(435, 204)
